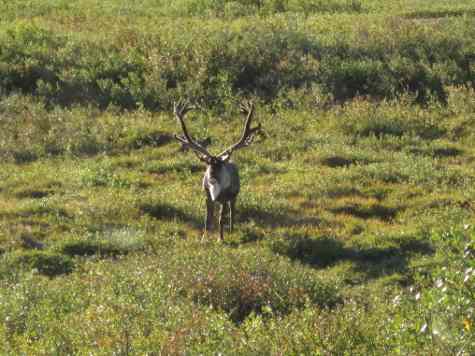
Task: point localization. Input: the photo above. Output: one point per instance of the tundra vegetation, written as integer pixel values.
(355, 222)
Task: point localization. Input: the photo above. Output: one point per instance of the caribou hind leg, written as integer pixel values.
(232, 213)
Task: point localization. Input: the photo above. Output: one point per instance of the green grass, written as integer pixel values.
(355, 228)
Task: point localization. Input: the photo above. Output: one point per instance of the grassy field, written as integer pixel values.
(355, 231)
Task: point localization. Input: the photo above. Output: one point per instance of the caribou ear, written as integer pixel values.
(225, 157)
(203, 158)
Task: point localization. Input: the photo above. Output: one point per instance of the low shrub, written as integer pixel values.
(253, 57)
(436, 313)
(240, 285)
(48, 263)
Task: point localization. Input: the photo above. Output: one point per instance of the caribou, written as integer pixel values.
(221, 182)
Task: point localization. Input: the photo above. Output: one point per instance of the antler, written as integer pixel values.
(248, 133)
(180, 109)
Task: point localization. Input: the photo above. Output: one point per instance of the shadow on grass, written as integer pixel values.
(374, 262)
(24, 157)
(341, 161)
(153, 139)
(36, 212)
(441, 152)
(164, 211)
(340, 192)
(244, 215)
(376, 211)
(437, 14)
(93, 248)
(33, 194)
(282, 218)
(37, 190)
(28, 241)
(46, 263)
(447, 152)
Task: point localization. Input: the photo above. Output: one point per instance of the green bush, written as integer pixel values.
(47, 263)
(252, 57)
(347, 79)
(27, 57)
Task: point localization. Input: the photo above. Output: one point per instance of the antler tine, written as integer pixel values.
(180, 109)
(248, 133)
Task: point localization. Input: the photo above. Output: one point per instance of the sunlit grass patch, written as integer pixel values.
(109, 243)
(37, 209)
(102, 174)
(259, 169)
(160, 168)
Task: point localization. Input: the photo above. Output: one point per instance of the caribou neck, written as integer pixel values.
(221, 181)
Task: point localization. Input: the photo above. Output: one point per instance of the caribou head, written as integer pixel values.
(221, 179)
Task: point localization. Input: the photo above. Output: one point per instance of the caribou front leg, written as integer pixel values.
(209, 215)
(222, 211)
